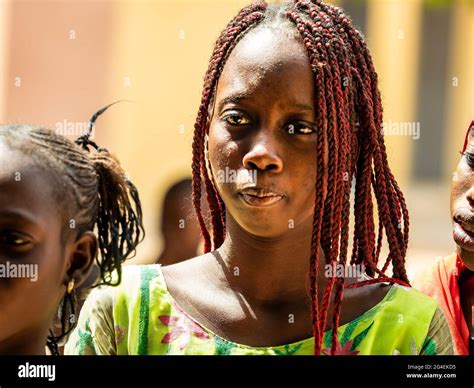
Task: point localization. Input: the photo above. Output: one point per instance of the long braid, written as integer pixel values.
(395, 199)
(340, 226)
(322, 178)
(395, 189)
(342, 209)
(196, 171)
(330, 230)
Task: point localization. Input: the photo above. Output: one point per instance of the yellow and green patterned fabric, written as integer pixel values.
(141, 317)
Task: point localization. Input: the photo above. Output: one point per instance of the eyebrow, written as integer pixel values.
(232, 99)
(17, 213)
(238, 98)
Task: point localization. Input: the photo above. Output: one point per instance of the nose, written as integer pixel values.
(263, 156)
(470, 196)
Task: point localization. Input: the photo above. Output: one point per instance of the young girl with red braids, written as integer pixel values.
(290, 122)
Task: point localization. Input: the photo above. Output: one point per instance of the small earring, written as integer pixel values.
(70, 286)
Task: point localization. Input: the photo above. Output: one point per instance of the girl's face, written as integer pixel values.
(263, 123)
(462, 203)
(31, 226)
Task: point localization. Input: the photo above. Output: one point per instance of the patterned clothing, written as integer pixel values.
(141, 317)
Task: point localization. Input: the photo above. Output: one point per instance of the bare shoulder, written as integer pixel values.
(189, 281)
(184, 272)
(359, 300)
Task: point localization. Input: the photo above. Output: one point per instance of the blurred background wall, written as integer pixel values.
(62, 60)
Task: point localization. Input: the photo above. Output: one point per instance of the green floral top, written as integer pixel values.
(141, 317)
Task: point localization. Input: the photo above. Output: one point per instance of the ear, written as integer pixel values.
(82, 254)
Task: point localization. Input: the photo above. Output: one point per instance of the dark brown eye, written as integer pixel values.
(234, 119)
(469, 158)
(13, 239)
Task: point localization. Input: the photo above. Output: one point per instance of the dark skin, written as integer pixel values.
(462, 212)
(263, 119)
(180, 243)
(31, 232)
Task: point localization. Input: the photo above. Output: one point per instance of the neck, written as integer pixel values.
(25, 344)
(268, 270)
(467, 257)
(466, 291)
(172, 254)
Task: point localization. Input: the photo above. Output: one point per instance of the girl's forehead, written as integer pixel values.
(273, 63)
(265, 47)
(22, 175)
(11, 160)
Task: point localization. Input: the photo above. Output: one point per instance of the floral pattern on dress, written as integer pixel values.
(181, 329)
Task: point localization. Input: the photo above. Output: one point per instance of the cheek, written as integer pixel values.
(301, 168)
(454, 190)
(26, 302)
(461, 183)
(222, 149)
(224, 155)
(461, 191)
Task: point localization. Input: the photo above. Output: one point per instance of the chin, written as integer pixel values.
(265, 230)
(469, 262)
(467, 257)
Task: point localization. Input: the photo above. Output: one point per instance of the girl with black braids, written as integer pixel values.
(290, 116)
(53, 195)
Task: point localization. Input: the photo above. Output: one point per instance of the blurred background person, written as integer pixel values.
(179, 226)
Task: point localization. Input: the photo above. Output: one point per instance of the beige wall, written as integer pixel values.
(58, 61)
(394, 39)
(461, 93)
(5, 7)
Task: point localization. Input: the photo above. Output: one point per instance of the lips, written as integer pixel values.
(463, 229)
(256, 196)
(467, 227)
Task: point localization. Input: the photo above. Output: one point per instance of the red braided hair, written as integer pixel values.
(349, 120)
